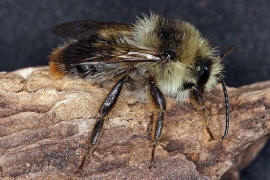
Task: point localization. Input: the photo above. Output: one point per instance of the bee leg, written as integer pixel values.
(104, 110)
(160, 103)
(205, 113)
(198, 103)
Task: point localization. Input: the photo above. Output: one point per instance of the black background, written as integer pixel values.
(25, 38)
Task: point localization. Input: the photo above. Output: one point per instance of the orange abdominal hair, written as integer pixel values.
(55, 57)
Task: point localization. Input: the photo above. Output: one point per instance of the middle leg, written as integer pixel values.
(160, 103)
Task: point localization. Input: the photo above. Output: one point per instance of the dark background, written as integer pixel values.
(25, 39)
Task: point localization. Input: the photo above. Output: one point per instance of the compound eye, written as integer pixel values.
(203, 67)
(203, 72)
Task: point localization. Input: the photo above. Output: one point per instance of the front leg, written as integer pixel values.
(160, 104)
(198, 103)
(104, 110)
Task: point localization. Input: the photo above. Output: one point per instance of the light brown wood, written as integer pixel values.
(45, 122)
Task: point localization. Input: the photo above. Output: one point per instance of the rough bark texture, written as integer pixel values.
(45, 122)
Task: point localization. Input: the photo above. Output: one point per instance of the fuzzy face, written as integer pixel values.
(188, 58)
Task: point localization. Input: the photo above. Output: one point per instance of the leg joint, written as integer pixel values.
(157, 96)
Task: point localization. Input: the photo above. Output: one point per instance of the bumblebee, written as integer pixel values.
(150, 59)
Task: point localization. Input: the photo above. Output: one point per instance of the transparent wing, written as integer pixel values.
(99, 59)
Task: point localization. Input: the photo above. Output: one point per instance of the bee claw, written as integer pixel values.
(78, 171)
(152, 165)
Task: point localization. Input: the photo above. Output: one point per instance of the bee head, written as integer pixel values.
(206, 73)
(182, 44)
(190, 62)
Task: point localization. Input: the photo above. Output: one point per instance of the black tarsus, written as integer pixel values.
(94, 138)
(160, 103)
(226, 105)
(104, 110)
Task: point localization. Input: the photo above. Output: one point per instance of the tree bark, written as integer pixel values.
(45, 123)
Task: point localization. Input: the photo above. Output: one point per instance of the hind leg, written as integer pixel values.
(104, 110)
